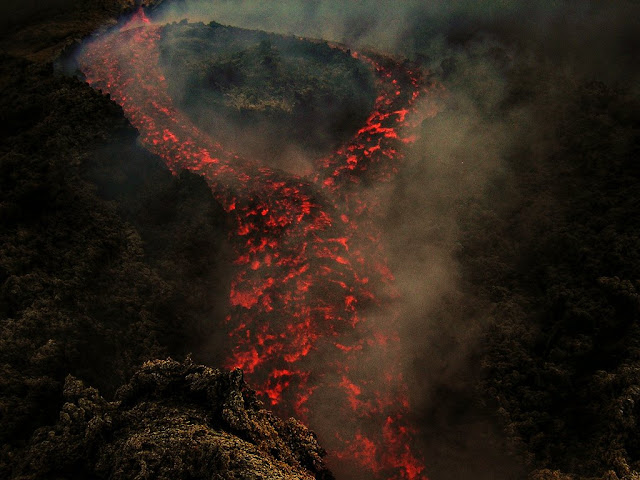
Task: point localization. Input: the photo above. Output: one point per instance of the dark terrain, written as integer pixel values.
(108, 261)
(263, 94)
(103, 267)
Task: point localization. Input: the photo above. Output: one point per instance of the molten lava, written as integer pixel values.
(309, 264)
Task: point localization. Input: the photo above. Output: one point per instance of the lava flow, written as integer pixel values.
(309, 265)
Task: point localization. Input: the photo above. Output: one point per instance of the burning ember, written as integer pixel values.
(309, 264)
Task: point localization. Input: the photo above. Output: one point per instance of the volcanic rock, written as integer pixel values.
(172, 420)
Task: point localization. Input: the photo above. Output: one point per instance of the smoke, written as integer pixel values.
(460, 152)
(464, 156)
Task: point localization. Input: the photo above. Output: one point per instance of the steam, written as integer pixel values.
(460, 152)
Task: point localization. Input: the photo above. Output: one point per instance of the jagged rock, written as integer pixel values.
(172, 420)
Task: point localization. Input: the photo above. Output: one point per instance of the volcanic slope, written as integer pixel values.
(264, 95)
(103, 266)
(309, 262)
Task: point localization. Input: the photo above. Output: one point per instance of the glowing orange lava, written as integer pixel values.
(308, 261)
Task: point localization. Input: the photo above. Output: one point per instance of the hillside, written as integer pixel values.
(108, 262)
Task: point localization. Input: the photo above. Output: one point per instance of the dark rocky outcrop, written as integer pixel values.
(172, 420)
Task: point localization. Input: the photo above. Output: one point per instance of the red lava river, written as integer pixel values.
(308, 259)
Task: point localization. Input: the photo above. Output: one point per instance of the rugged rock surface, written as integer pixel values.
(172, 420)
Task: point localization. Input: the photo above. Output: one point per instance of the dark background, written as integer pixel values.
(524, 363)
